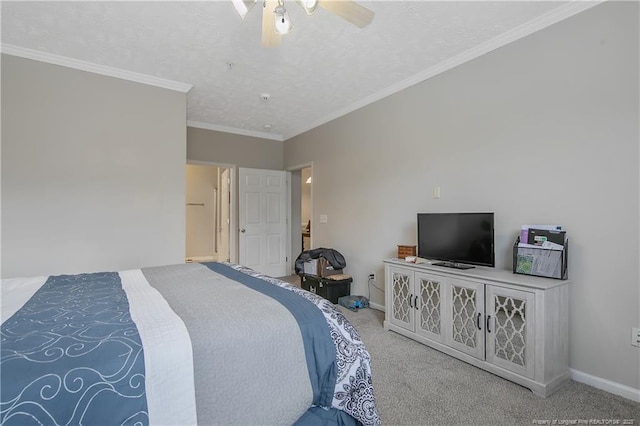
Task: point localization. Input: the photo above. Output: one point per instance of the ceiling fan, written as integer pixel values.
(276, 21)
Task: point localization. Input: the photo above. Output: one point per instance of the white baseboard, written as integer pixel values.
(376, 306)
(606, 385)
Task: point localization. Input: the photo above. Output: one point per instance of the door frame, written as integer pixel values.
(294, 229)
(233, 225)
(224, 181)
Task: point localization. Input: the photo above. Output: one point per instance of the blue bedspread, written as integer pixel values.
(73, 353)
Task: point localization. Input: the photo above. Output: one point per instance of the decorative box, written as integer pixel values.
(404, 251)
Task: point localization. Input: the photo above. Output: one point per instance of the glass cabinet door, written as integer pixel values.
(402, 298)
(510, 329)
(429, 305)
(466, 316)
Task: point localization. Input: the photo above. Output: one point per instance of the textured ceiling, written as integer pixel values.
(326, 67)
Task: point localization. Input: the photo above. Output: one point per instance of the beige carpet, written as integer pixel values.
(417, 385)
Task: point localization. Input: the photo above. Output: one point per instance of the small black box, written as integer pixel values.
(327, 288)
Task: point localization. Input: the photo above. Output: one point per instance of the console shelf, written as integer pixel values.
(514, 326)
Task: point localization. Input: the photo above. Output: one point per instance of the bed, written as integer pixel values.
(207, 343)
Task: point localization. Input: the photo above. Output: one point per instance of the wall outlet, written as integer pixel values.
(635, 337)
(372, 276)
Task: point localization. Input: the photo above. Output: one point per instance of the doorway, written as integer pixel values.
(305, 208)
(208, 213)
(301, 210)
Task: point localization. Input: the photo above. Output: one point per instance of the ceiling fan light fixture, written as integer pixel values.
(283, 23)
(309, 6)
(243, 6)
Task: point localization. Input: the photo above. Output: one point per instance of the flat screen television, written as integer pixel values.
(456, 240)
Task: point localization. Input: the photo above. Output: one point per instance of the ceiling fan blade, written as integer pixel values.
(350, 11)
(269, 36)
(243, 6)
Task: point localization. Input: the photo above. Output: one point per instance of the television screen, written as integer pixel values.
(456, 238)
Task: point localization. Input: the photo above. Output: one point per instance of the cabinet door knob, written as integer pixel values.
(478, 321)
(488, 319)
(411, 300)
(415, 302)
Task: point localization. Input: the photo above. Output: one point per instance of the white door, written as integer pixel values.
(263, 220)
(225, 218)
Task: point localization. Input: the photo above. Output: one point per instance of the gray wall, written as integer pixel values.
(544, 130)
(93, 171)
(227, 148)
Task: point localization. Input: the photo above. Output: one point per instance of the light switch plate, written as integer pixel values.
(323, 218)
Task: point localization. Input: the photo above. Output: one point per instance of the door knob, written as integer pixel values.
(242, 230)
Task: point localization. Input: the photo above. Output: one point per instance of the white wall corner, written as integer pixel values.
(606, 385)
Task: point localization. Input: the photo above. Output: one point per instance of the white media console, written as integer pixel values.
(515, 326)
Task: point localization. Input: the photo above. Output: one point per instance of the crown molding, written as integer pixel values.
(51, 58)
(561, 13)
(572, 8)
(236, 131)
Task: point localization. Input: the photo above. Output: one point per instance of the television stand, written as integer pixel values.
(453, 265)
(512, 325)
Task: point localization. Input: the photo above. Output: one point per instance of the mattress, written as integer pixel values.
(210, 343)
